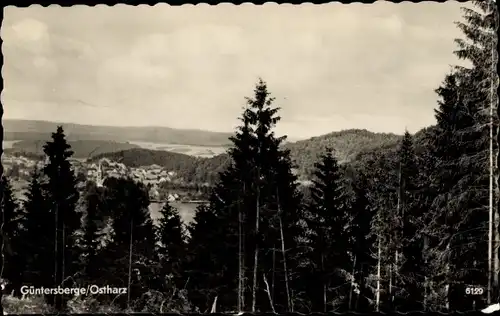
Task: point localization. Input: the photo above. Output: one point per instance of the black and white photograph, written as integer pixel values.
(270, 158)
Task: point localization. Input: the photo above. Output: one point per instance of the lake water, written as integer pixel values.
(186, 210)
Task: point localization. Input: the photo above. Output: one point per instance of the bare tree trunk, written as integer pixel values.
(352, 282)
(377, 295)
(395, 285)
(496, 215)
(324, 284)
(243, 280)
(243, 253)
(56, 253)
(390, 265)
(268, 293)
(256, 253)
(63, 261)
(274, 272)
(214, 306)
(490, 220)
(240, 260)
(129, 283)
(496, 262)
(287, 285)
(361, 285)
(399, 232)
(390, 285)
(447, 291)
(426, 280)
(425, 294)
(447, 286)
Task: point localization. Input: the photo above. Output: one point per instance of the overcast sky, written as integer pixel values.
(330, 67)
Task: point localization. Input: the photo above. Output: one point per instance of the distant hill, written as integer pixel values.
(347, 145)
(41, 130)
(81, 148)
(389, 152)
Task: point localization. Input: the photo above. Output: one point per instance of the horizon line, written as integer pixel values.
(289, 138)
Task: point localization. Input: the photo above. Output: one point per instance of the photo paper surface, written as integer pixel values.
(250, 158)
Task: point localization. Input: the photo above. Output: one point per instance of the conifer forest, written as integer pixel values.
(411, 228)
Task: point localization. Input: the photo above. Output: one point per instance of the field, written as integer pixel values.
(198, 151)
(84, 147)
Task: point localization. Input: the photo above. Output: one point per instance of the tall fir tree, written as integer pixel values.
(257, 206)
(427, 191)
(63, 197)
(93, 232)
(130, 255)
(333, 254)
(12, 217)
(203, 268)
(464, 140)
(479, 47)
(38, 232)
(411, 275)
(360, 295)
(381, 183)
(459, 212)
(171, 240)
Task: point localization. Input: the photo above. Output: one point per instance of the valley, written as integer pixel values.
(181, 169)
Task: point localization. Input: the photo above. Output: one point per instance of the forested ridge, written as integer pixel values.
(31, 130)
(407, 227)
(81, 148)
(348, 144)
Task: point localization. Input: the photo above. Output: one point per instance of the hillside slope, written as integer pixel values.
(41, 130)
(81, 148)
(346, 144)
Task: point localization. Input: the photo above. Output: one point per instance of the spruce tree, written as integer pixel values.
(93, 225)
(257, 207)
(130, 256)
(171, 244)
(411, 275)
(382, 187)
(290, 218)
(331, 239)
(63, 197)
(12, 218)
(360, 295)
(479, 47)
(427, 191)
(204, 266)
(460, 214)
(462, 146)
(38, 236)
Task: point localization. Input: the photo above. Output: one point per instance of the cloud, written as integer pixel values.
(192, 66)
(28, 30)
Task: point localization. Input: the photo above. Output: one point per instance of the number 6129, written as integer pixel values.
(472, 290)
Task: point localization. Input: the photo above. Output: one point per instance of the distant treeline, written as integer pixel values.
(38, 130)
(81, 148)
